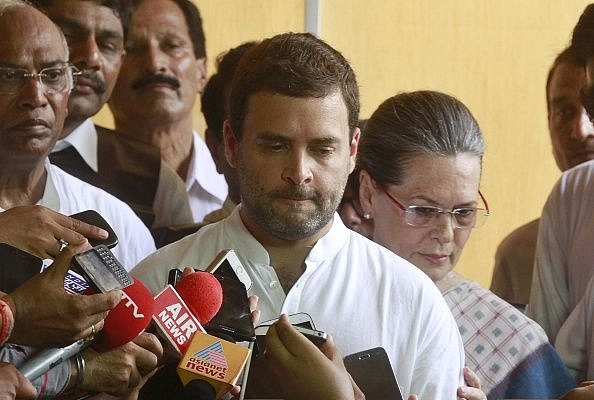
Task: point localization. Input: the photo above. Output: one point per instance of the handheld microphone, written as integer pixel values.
(47, 359)
(175, 320)
(127, 319)
(203, 294)
(122, 324)
(212, 362)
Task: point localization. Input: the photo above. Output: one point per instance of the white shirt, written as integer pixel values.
(361, 293)
(575, 340)
(68, 195)
(207, 189)
(564, 261)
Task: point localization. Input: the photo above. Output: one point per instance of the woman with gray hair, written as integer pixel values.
(420, 161)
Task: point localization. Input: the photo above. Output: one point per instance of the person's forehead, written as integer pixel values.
(159, 15)
(28, 36)
(85, 14)
(567, 80)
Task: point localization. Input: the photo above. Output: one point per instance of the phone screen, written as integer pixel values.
(92, 217)
(16, 266)
(372, 372)
(234, 317)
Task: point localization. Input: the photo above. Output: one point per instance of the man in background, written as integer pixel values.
(163, 72)
(123, 166)
(215, 107)
(572, 140)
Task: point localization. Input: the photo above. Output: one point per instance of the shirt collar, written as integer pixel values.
(84, 140)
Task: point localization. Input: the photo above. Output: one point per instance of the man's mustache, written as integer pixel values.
(152, 78)
(97, 83)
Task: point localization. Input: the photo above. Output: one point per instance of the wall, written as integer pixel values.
(491, 54)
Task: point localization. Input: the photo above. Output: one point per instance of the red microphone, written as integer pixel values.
(175, 321)
(128, 319)
(203, 294)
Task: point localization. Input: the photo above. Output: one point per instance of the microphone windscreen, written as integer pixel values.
(128, 319)
(203, 294)
(198, 389)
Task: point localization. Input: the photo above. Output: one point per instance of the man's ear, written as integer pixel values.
(201, 72)
(366, 192)
(353, 147)
(231, 144)
(213, 146)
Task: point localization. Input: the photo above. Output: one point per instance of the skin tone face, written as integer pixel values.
(572, 134)
(293, 162)
(429, 180)
(160, 77)
(96, 41)
(31, 119)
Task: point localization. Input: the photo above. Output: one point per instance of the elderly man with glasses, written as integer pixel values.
(35, 82)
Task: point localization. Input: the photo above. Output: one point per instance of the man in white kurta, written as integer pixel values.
(564, 250)
(360, 292)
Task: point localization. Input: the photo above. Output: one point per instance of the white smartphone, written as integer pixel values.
(372, 372)
(227, 264)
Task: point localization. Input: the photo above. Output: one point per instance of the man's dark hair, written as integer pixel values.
(121, 8)
(295, 65)
(194, 22)
(216, 92)
(567, 56)
(582, 39)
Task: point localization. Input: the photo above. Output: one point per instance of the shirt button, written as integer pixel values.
(273, 284)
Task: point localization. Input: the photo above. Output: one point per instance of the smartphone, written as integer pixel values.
(372, 372)
(317, 337)
(16, 266)
(99, 267)
(92, 217)
(234, 318)
(227, 264)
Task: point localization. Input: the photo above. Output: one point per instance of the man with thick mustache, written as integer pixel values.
(128, 169)
(163, 72)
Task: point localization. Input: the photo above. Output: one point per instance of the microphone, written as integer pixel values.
(211, 366)
(175, 321)
(203, 293)
(122, 324)
(47, 359)
(127, 319)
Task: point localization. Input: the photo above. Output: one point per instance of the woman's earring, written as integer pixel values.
(366, 216)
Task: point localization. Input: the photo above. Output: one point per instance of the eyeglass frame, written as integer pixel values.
(439, 210)
(74, 72)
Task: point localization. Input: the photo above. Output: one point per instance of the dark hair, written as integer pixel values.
(567, 56)
(582, 39)
(121, 8)
(412, 124)
(296, 65)
(194, 22)
(214, 99)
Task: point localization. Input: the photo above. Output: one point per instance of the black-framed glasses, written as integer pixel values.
(426, 216)
(56, 79)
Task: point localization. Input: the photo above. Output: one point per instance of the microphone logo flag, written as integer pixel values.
(214, 360)
(212, 354)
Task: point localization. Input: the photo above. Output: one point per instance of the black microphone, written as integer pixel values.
(198, 389)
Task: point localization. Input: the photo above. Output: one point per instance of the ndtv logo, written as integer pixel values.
(129, 303)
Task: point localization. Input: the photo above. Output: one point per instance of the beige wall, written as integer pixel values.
(491, 54)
